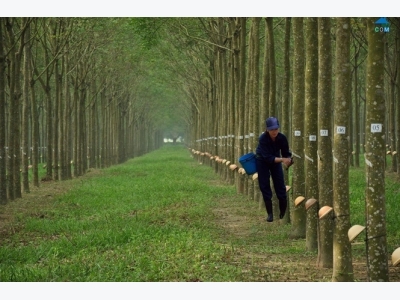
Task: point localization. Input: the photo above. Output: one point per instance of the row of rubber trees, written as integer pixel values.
(324, 212)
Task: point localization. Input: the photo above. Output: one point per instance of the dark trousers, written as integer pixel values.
(265, 171)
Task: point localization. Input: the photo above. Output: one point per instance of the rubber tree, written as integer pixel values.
(62, 156)
(398, 96)
(272, 67)
(310, 130)
(221, 86)
(265, 86)
(374, 158)
(66, 129)
(264, 100)
(325, 177)
(38, 68)
(231, 99)
(16, 33)
(252, 93)
(239, 48)
(255, 96)
(3, 166)
(46, 82)
(25, 111)
(298, 216)
(29, 76)
(342, 254)
(285, 112)
(391, 68)
(272, 103)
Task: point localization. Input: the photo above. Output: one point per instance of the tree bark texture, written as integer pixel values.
(325, 178)
(374, 158)
(310, 130)
(3, 166)
(298, 215)
(342, 255)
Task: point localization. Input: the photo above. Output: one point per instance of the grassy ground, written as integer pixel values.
(162, 217)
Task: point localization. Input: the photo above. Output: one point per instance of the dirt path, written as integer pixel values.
(280, 265)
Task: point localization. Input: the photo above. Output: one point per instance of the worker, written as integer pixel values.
(273, 151)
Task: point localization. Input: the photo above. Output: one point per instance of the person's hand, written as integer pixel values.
(287, 161)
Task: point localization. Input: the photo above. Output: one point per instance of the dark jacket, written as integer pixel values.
(268, 149)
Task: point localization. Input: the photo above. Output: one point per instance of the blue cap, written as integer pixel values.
(272, 123)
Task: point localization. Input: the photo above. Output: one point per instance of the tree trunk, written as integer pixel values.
(272, 110)
(61, 117)
(76, 159)
(342, 257)
(25, 114)
(311, 128)
(325, 180)
(391, 76)
(68, 128)
(15, 96)
(255, 98)
(103, 100)
(231, 99)
(374, 158)
(239, 44)
(82, 131)
(272, 74)
(3, 166)
(50, 135)
(250, 100)
(225, 73)
(398, 98)
(285, 123)
(298, 216)
(242, 22)
(264, 104)
(57, 114)
(35, 125)
(93, 126)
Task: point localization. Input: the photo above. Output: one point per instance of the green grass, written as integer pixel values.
(153, 219)
(357, 178)
(145, 220)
